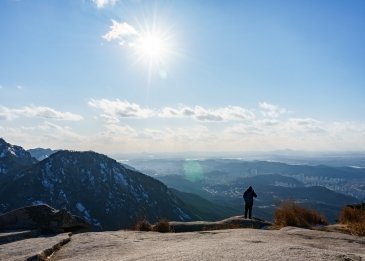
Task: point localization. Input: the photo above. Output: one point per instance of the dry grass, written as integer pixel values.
(162, 226)
(354, 219)
(143, 225)
(290, 213)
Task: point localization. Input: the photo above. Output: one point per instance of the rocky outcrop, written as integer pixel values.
(232, 222)
(42, 217)
(288, 243)
(234, 244)
(11, 236)
(37, 248)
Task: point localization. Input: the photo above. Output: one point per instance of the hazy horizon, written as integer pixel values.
(134, 77)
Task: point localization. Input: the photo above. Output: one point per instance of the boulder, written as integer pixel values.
(42, 217)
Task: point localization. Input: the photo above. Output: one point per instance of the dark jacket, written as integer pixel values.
(249, 195)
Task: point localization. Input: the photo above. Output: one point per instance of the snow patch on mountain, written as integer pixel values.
(38, 202)
(99, 188)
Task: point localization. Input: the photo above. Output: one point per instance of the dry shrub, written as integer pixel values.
(357, 228)
(290, 213)
(143, 225)
(354, 218)
(162, 226)
(351, 215)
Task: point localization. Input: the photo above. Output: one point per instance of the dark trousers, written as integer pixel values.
(248, 208)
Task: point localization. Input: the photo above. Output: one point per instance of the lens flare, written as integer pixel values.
(193, 171)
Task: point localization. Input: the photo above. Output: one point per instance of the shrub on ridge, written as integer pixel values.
(354, 219)
(162, 226)
(143, 225)
(290, 213)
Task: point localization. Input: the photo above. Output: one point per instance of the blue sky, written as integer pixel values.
(173, 76)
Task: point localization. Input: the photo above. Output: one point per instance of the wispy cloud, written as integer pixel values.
(37, 111)
(195, 128)
(271, 110)
(120, 31)
(243, 129)
(305, 125)
(46, 134)
(114, 130)
(290, 127)
(252, 135)
(104, 3)
(229, 113)
(6, 113)
(127, 139)
(56, 130)
(113, 110)
(46, 112)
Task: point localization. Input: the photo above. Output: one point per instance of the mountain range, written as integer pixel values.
(222, 181)
(88, 184)
(112, 195)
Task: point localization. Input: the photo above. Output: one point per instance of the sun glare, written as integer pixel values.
(152, 47)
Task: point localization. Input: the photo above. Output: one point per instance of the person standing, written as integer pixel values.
(248, 197)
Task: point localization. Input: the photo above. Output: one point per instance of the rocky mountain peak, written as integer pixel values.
(41, 153)
(6, 150)
(13, 159)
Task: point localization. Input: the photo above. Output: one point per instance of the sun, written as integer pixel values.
(152, 47)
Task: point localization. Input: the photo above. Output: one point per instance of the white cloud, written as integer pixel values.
(229, 113)
(169, 112)
(305, 125)
(268, 122)
(117, 130)
(202, 114)
(49, 113)
(103, 3)
(235, 113)
(57, 130)
(6, 113)
(235, 129)
(243, 129)
(46, 135)
(37, 111)
(271, 111)
(113, 110)
(158, 140)
(120, 31)
(116, 109)
(295, 128)
(299, 134)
